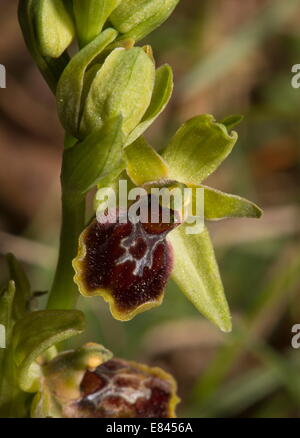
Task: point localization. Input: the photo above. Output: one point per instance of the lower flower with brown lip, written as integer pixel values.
(125, 262)
(89, 383)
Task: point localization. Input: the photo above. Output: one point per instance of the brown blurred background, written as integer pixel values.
(229, 57)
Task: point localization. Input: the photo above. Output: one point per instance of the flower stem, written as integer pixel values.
(64, 292)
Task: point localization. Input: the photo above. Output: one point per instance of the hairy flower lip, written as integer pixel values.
(129, 389)
(78, 266)
(126, 261)
(90, 383)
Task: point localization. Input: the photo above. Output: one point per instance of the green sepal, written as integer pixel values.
(137, 18)
(123, 85)
(54, 27)
(144, 164)
(162, 93)
(71, 84)
(90, 17)
(96, 157)
(198, 148)
(51, 68)
(23, 291)
(219, 205)
(196, 273)
(35, 334)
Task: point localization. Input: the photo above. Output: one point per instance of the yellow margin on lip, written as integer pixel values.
(105, 293)
(163, 375)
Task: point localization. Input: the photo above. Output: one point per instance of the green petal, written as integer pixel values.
(198, 148)
(219, 205)
(36, 333)
(162, 93)
(96, 157)
(70, 86)
(55, 28)
(90, 16)
(197, 274)
(144, 164)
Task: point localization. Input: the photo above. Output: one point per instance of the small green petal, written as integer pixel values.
(144, 164)
(219, 205)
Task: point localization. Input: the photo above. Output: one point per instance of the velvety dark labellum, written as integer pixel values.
(119, 389)
(130, 260)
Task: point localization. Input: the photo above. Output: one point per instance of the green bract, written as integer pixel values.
(137, 18)
(55, 28)
(99, 155)
(90, 16)
(122, 86)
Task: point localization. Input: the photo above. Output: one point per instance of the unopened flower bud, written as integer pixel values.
(122, 86)
(90, 17)
(55, 28)
(137, 18)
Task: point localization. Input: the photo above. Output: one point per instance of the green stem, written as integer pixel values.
(64, 292)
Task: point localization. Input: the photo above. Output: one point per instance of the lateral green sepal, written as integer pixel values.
(197, 275)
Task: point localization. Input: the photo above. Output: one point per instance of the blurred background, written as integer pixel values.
(229, 57)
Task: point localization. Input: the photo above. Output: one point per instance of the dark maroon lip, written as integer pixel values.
(131, 260)
(117, 388)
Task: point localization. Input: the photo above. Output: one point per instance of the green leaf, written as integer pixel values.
(35, 334)
(90, 16)
(137, 18)
(123, 85)
(54, 26)
(51, 68)
(196, 273)
(219, 205)
(71, 84)
(144, 164)
(197, 149)
(23, 290)
(162, 93)
(96, 157)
